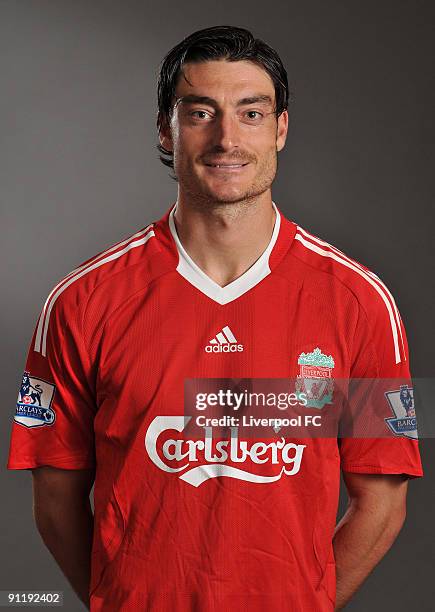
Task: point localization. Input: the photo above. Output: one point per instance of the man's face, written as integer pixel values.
(224, 133)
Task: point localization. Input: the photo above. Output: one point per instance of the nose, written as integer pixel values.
(226, 134)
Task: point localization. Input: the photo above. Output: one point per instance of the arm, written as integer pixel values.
(375, 514)
(64, 518)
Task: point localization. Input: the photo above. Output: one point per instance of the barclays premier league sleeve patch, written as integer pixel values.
(34, 402)
(404, 422)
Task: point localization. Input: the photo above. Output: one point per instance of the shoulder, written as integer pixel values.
(115, 260)
(326, 260)
(111, 275)
(333, 270)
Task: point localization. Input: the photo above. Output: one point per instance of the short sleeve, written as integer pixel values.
(53, 420)
(380, 353)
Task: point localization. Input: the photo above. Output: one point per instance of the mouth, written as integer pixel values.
(226, 167)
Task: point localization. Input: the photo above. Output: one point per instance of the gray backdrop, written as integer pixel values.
(79, 171)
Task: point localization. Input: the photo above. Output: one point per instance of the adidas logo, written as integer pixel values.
(224, 342)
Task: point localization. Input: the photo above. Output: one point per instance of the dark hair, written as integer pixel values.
(219, 42)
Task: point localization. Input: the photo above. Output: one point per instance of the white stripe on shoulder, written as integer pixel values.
(349, 264)
(369, 272)
(99, 260)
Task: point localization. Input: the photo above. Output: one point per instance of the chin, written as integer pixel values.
(227, 193)
(226, 196)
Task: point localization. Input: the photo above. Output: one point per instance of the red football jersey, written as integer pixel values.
(177, 526)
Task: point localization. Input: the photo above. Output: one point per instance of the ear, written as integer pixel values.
(165, 136)
(281, 132)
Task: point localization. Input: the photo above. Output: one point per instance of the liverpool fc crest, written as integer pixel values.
(315, 378)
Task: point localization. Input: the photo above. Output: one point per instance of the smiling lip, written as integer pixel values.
(227, 167)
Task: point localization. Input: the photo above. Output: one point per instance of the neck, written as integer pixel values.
(225, 239)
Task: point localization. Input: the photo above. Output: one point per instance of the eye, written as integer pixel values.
(200, 114)
(253, 114)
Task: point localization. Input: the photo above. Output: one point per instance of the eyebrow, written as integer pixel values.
(194, 99)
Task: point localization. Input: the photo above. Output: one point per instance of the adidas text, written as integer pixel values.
(224, 348)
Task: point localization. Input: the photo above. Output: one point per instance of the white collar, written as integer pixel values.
(199, 279)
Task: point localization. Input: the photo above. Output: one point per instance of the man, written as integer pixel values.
(223, 285)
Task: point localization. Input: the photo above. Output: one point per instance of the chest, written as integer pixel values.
(172, 332)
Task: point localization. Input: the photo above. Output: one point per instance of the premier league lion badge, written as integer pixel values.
(34, 402)
(404, 422)
(315, 378)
